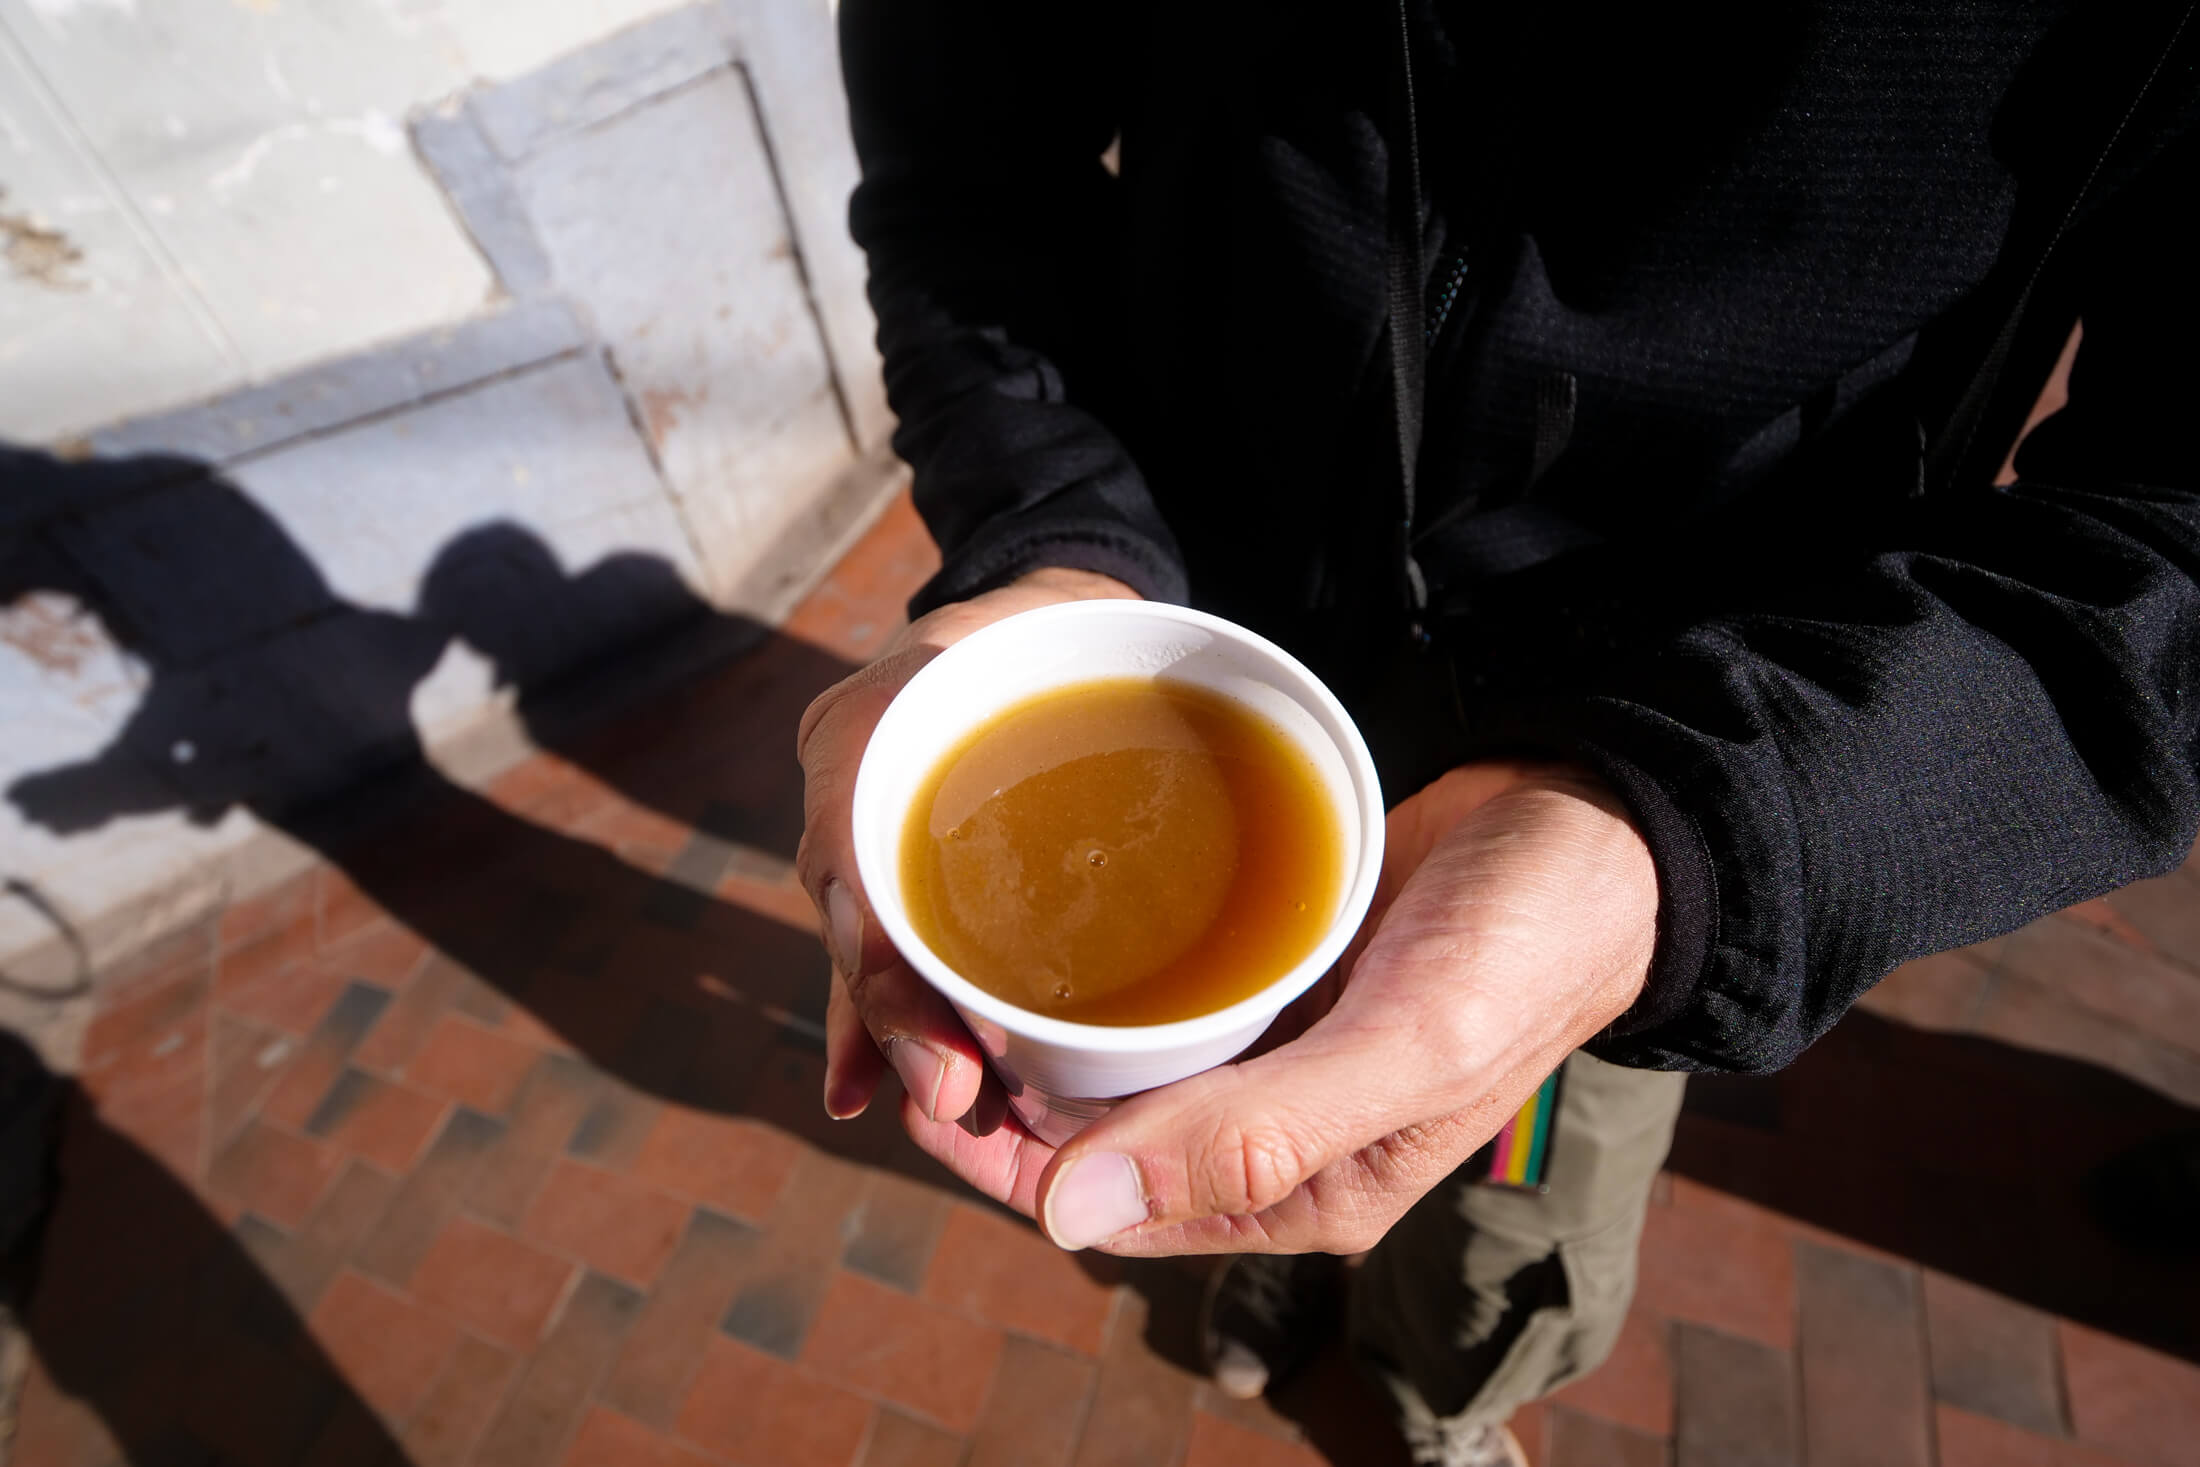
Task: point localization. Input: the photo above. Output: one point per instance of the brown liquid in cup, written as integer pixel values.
(1123, 851)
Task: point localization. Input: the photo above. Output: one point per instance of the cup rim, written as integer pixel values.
(1257, 1008)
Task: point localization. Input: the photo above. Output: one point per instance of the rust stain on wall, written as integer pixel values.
(50, 631)
(661, 410)
(38, 254)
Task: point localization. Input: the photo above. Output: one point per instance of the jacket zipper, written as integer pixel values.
(1443, 293)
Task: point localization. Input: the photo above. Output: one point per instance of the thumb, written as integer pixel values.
(1231, 1144)
(1524, 931)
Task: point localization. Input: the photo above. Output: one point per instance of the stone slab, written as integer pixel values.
(270, 641)
(548, 452)
(589, 87)
(451, 143)
(497, 450)
(442, 360)
(259, 669)
(791, 57)
(263, 147)
(92, 320)
(191, 571)
(501, 39)
(664, 223)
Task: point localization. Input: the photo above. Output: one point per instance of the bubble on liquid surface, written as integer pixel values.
(1062, 991)
(1097, 858)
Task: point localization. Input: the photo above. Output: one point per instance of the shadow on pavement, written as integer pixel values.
(145, 1305)
(1966, 1155)
(640, 972)
(1971, 1157)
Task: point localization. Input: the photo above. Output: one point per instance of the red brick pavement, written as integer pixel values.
(497, 1140)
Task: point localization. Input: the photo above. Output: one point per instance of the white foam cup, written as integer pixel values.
(1060, 1075)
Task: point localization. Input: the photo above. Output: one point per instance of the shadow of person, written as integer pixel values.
(1971, 1157)
(264, 690)
(238, 631)
(270, 693)
(2003, 1167)
(143, 1307)
(479, 577)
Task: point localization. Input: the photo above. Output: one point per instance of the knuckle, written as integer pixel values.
(1250, 1169)
(884, 999)
(1445, 1038)
(1358, 1236)
(819, 709)
(862, 990)
(805, 868)
(1437, 1048)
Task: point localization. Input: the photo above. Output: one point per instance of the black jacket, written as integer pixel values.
(1700, 290)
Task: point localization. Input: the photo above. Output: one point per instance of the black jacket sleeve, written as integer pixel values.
(1983, 707)
(990, 225)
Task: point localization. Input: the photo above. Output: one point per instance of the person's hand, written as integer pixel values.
(1515, 920)
(879, 1009)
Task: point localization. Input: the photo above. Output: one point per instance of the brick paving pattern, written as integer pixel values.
(496, 1140)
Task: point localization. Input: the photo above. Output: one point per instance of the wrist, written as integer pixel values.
(1617, 877)
(1071, 584)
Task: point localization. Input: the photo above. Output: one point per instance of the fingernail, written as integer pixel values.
(840, 1104)
(1095, 1199)
(986, 1113)
(921, 1069)
(844, 926)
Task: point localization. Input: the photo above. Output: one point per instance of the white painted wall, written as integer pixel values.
(221, 199)
(232, 187)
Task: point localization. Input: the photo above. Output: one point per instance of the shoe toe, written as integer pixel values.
(1238, 1372)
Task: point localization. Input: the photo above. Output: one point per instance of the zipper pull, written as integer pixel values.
(1417, 632)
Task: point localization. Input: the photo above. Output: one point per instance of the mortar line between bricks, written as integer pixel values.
(1670, 1338)
(563, 1447)
(511, 1383)
(985, 1402)
(556, 1316)
(205, 1149)
(2068, 1417)
(583, 1267)
(795, 1022)
(1925, 1359)
(1116, 1310)
(282, 1128)
(527, 1204)
(1932, 1377)
(1799, 1425)
(513, 1379)
(1967, 1023)
(876, 1398)
(574, 1277)
(693, 1368)
(1084, 1410)
(863, 1447)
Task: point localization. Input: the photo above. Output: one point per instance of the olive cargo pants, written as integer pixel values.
(1484, 1298)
